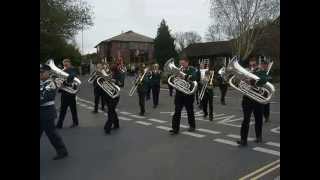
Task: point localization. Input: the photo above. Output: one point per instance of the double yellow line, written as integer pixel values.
(262, 171)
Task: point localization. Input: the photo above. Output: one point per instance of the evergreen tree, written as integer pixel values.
(164, 47)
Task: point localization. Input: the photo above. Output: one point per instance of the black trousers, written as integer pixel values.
(68, 100)
(181, 101)
(266, 110)
(207, 99)
(223, 91)
(249, 106)
(47, 125)
(112, 114)
(170, 90)
(148, 93)
(99, 94)
(142, 97)
(155, 94)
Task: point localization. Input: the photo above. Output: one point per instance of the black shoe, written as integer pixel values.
(73, 125)
(242, 143)
(141, 113)
(205, 115)
(258, 140)
(94, 111)
(210, 118)
(107, 132)
(60, 156)
(191, 129)
(116, 128)
(173, 132)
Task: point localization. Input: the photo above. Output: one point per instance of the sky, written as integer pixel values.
(111, 17)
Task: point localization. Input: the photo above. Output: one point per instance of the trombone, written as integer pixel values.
(206, 82)
(138, 81)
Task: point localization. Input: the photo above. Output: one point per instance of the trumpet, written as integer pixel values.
(138, 81)
(208, 81)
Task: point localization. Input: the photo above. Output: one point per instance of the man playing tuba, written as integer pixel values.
(182, 99)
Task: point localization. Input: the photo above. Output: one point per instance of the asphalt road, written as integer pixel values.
(143, 149)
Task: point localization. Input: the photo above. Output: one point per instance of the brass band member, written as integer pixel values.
(155, 84)
(249, 106)
(98, 91)
(142, 88)
(266, 107)
(112, 103)
(48, 112)
(223, 86)
(67, 99)
(208, 96)
(182, 100)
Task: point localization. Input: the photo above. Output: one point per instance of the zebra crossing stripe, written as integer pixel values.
(124, 118)
(126, 113)
(273, 144)
(183, 126)
(164, 128)
(143, 123)
(265, 150)
(136, 116)
(225, 141)
(239, 137)
(157, 120)
(193, 134)
(209, 131)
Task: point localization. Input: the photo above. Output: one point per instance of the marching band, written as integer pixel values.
(187, 81)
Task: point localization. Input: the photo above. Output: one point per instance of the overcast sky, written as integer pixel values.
(111, 17)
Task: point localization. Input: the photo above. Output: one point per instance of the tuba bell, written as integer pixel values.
(105, 82)
(61, 77)
(176, 82)
(238, 76)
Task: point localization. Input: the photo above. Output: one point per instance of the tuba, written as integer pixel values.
(237, 80)
(206, 81)
(105, 82)
(138, 81)
(176, 82)
(61, 77)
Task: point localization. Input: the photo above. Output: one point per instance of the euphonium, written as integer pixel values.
(238, 81)
(105, 82)
(62, 76)
(176, 82)
(137, 82)
(206, 81)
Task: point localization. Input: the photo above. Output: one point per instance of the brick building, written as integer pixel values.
(132, 47)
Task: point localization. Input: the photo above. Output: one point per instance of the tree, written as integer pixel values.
(164, 47)
(184, 39)
(213, 33)
(60, 20)
(243, 21)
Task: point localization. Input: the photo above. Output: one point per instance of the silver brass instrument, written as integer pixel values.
(206, 81)
(177, 82)
(238, 81)
(138, 81)
(105, 82)
(92, 77)
(62, 76)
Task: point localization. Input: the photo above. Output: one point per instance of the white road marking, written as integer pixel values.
(239, 137)
(216, 115)
(260, 170)
(124, 118)
(83, 100)
(225, 141)
(183, 126)
(143, 123)
(89, 107)
(136, 116)
(126, 113)
(193, 134)
(269, 151)
(157, 120)
(164, 128)
(276, 130)
(273, 144)
(209, 131)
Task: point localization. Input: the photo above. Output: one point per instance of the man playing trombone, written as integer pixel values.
(206, 93)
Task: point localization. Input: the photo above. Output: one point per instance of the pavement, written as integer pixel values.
(143, 149)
